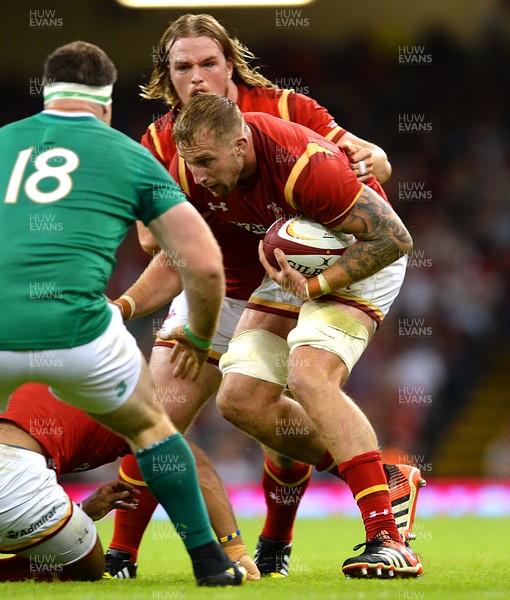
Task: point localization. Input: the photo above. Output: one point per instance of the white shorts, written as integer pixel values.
(97, 377)
(373, 295)
(38, 520)
(263, 355)
(270, 297)
(259, 354)
(321, 324)
(326, 327)
(231, 312)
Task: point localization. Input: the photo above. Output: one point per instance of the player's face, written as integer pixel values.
(197, 64)
(215, 164)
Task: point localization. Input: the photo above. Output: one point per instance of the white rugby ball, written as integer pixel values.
(309, 246)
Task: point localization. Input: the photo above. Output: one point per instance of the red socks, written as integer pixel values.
(130, 524)
(327, 463)
(366, 478)
(283, 490)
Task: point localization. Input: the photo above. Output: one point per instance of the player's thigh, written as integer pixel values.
(141, 419)
(178, 315)
(181, 399)
(38, 520)
(254, 375)
(258, 350)
(256, 354)
(90, 567)
(254, 368)
(259, 319)
(75, 550)
(326, 343)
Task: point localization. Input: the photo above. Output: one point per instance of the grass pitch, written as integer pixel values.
(463, 558)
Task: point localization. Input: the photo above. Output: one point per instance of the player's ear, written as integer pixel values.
(241, 145)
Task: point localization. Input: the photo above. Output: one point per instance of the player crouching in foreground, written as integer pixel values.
(65, 442)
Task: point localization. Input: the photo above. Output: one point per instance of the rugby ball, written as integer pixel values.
(309, 246)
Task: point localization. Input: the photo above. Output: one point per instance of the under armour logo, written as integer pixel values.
(81, 538)
(221, 205)
(375, 514)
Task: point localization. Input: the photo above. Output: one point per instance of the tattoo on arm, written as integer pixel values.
(382, 237)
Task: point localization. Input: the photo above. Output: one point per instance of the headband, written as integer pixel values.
(91, 93)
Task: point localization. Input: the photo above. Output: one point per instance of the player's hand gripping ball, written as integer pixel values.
(309, 246)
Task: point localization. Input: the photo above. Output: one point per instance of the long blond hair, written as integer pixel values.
(160, 86)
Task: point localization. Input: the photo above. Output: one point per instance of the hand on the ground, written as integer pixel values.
(238, 553)
(253, 574)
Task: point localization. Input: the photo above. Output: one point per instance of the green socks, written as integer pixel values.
(168, 468)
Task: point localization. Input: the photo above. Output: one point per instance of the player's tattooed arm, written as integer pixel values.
(382, 239)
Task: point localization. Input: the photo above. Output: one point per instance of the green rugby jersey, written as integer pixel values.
(71, 188)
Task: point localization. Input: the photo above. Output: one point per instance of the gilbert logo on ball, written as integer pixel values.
(309, 246)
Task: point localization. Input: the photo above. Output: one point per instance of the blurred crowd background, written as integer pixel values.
(435, 379)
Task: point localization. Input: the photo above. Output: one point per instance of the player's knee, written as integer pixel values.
(226, 406)
(304, 384)
(314, 374)
(231, 400)
(141, 423)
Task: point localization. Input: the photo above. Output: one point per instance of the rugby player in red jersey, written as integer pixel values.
(68, 440)
(197, 55)
(233, 161)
